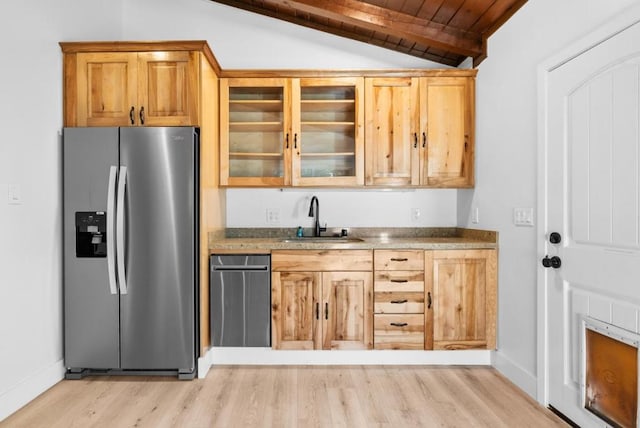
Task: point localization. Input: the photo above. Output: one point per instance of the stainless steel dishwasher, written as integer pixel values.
(240, 300)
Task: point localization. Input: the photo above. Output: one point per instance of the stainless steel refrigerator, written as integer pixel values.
(130, 250)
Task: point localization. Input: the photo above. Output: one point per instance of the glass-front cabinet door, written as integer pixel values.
(254, 137)
(328, 128)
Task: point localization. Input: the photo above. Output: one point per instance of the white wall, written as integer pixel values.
(30, 233)
(506, 131)
(348, 208)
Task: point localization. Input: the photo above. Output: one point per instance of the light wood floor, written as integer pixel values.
(300, 396)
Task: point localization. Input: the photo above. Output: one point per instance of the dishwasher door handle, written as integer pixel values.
(233, 268)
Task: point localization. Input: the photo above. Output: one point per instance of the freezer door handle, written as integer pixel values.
(111, 218)
(122, 182)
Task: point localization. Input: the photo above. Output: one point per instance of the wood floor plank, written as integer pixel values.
(291, 396)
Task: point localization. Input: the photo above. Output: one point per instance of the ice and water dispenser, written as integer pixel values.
(91, 234)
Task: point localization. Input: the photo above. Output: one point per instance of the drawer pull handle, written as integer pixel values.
(326, 311)
(429, 300)
(399, 301)
(317, 311)
(399, 324)
(399, 280)
(399, 259)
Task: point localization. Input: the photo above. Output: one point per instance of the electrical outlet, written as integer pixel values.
(273, 215)
(415, 214)
(523, 217)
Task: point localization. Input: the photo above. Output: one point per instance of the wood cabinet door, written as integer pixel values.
(347, 312)
(295, 300)
(446, 141)
(464, 299)
(167, 88)
(328, 131)
(391, 123)
(106, 88)
(255, 132)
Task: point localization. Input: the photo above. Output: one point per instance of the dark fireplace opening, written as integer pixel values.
(611, 379)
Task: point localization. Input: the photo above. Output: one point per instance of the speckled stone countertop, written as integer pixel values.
(254, 240)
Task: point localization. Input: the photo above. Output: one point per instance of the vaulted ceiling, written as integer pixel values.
(443, 31)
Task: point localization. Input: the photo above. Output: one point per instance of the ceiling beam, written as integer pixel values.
(397, 24)
(419, 31)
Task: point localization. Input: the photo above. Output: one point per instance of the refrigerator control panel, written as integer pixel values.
(91, 234)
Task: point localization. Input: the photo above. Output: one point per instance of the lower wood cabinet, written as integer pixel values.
(321, 299)
(463, 284)
(415, 299)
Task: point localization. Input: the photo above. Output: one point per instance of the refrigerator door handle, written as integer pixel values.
(122, 279)
(111, 241)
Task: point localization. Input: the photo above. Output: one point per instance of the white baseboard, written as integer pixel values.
(268, 356)
(204, 363)
(516, 374)
(33, 385)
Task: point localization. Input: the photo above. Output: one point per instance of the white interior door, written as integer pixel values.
(592, 199)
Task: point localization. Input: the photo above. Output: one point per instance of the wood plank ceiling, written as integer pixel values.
(443, 31)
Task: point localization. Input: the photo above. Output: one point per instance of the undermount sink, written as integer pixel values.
(327, 239)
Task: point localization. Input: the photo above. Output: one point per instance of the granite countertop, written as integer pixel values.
(254, 240)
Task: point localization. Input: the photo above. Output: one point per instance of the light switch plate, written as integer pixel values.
(14, 194)
(475, 215)
(523, 217)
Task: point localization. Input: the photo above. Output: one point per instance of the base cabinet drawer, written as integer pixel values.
(398, 303)
(398, 331)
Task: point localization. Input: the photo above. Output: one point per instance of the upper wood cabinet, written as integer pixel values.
(419, 131)
(292, 132)
(321, 299)
(392, 122)
(255, 135)
(464, 288)
(111, 85)
(446, 131)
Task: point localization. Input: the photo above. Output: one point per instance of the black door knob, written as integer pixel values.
(555, 238)
(551, 262)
